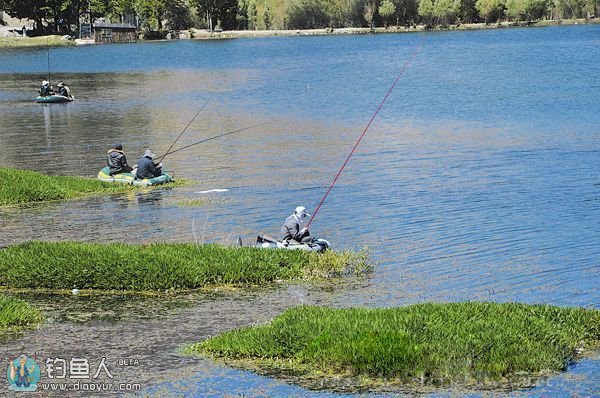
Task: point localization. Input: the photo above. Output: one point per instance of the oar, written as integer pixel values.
(179, 136)
(218, 136)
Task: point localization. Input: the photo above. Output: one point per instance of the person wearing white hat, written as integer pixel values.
(146, 168)
(292, 228)
(45, 89)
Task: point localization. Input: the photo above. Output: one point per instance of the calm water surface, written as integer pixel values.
(478, 180)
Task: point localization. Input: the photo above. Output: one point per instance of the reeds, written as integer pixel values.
(117, 266)
(451, 344)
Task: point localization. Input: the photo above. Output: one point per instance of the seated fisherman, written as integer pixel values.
(117, 162)
(45, 89)
(292, 227)
(146, 168)
(63, 90)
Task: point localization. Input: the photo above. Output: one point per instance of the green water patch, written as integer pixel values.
(15, 316)
(20, 187)
(163, 266)
(476, 345)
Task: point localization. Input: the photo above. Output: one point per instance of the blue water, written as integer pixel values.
(478, 180)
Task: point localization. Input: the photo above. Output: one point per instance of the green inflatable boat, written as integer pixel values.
(130, 179)
(54, 99)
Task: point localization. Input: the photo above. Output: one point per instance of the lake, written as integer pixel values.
(478, 180)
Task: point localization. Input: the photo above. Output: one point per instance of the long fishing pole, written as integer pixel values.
(218, 136)
(48, 51)
(362, 135)
(186, 127)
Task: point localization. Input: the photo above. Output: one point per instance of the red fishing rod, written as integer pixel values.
(404, 67)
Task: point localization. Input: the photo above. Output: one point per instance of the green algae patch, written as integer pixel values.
(16, 315)
(473, 345)
(162, 266)
(20, 187)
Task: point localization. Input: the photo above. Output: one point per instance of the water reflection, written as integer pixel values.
(464, 190)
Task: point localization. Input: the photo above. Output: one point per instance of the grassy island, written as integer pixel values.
(16, 315)
(39, 41)
(161, 266)
(23, 186)
(470, 344)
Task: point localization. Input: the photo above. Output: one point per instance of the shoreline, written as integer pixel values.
(197, 34)
(239, 34)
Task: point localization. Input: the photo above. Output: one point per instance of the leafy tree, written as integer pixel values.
(306, 14)
(426, 11)
(467, 11)
(252, 15)
(445, 11)
(242, 14)
(370, 11)
(490, 10)
(406, 11)
(178, 15)
(387, 9)
(227, 10)
(267, 17)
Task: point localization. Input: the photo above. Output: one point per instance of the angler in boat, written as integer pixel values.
(117, 162)
(63, 90)
(46, 89)
(118, 170)
(146, 168)
(49, 96)
(292, 228)
(294, 235)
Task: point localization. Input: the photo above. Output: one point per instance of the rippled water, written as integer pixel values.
(478, 180)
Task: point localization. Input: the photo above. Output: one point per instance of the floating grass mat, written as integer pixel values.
(420, 347)
(118, 266)
(23, 186)
(15, 316)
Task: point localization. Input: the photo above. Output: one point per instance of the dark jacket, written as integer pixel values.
(291, 230)
(117, 162)
(45, 91)
(147, 169)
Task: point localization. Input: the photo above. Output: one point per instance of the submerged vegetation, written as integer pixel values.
(16, 314)
(472, 344)
(24, 186)
(118, 266)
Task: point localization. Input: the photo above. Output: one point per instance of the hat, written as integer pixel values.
(149, 154)
(300, 209)
(118, 146)
(45, 83)
(61, 84)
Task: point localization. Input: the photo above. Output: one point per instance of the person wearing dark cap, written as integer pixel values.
(117, 162)
(146, 168)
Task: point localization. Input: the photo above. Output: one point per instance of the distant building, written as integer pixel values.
(105, 32)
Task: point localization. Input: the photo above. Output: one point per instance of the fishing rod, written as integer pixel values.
(404, 67)
(179, 136)
(48, 51)
(218, 136)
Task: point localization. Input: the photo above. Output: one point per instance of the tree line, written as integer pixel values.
(161, 15)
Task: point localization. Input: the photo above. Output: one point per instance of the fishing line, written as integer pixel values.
(363, 134)
(219, 136)
(186, 127)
